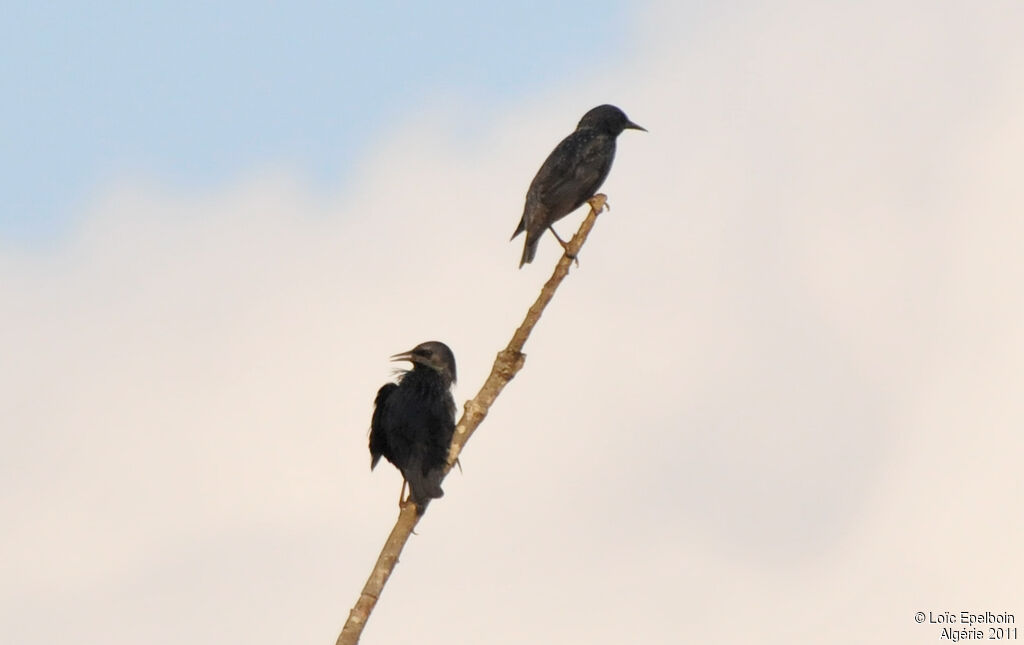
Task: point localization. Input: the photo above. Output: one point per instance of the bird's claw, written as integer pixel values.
(599, 203)
(565, 245)
(569, 254)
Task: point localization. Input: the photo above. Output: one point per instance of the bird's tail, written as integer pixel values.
(424, 487)
(520, 228)
(529, 250)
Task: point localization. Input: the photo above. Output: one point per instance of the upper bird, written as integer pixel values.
(413, 420)
(571, 174)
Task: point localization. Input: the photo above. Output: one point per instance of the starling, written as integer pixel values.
(571, 174)
(413, 420)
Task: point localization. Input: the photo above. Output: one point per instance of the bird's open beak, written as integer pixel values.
(632, 126)
(404, 356)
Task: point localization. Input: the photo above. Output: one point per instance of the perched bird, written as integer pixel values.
(413, 420)
(571, 175)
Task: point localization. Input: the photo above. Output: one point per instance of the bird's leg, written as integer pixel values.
(403, 502)
(565, 245)
(599, 203)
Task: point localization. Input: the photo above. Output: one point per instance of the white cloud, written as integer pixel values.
(779, 401)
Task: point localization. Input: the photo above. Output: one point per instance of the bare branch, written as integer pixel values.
(508, 362)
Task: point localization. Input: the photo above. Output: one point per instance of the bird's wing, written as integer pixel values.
(554, 175)
(591, 159)
(434, 428)
(441, 420)
(557, 170)
(378, 424)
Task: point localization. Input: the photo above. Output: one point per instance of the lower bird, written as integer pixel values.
(414, 419)
(571, 174)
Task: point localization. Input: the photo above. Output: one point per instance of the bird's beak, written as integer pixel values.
(632, 126)
(404, 356)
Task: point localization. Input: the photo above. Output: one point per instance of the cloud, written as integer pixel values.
(780, 391)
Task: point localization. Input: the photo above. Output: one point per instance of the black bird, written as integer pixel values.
(571, 175)
(413, 420)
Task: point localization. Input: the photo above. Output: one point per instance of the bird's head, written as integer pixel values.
(608, 119)
(432, 354)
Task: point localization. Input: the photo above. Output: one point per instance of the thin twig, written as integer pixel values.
(508, 362)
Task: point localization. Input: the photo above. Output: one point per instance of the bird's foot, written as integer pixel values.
(402, 499)
(599, 203)
(565, 246)
(571, 256)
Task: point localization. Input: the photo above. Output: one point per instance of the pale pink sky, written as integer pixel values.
(780, 401)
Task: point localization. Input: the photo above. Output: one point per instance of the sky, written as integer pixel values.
(196, 94)
(778, 401)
